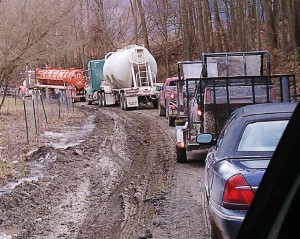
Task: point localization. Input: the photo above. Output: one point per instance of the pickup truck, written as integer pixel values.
(210, 91)
(167, 100)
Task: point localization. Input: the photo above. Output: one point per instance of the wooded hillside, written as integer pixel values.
(69, 33)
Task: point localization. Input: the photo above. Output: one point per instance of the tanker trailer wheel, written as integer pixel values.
(124, 102)
(121, 101)
(103, 99)
(99, 96)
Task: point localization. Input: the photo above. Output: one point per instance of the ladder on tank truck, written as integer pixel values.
(142, 70)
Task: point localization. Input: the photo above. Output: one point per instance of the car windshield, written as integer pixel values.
(262, 136)
(173, 83)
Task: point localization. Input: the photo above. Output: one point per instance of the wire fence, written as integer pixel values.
(23, 120)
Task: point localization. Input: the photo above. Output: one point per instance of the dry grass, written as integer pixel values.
(14, 144)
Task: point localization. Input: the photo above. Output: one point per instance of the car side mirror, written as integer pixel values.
(190, 93)
(159, 88)
(204, 138)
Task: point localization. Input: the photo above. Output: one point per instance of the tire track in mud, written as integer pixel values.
(151, 188)
(185, 207)
(121, 182)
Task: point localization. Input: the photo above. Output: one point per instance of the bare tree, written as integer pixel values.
(20, 40)
(297, 28)
(143, 22)
(135, 21)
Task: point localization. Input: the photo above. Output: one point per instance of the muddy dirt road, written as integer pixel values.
(112, 176)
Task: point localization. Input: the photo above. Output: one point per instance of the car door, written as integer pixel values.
(211, 158)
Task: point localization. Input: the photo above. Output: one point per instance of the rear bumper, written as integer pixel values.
(227, 221)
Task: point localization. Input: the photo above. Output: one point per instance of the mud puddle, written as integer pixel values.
(41, 159)
(69, 136)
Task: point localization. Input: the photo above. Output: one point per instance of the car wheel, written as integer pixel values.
(161, 110)
(181, 155)
(214, 231)
(155, 104)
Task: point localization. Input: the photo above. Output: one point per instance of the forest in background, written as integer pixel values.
(67, 33)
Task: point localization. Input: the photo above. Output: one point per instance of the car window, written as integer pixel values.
(172, 83)
(222, 133)
(262, 136)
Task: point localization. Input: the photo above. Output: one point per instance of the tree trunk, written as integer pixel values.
(143, 21)
(258, 24)
(283, 29)
(208, 25)
(297, 27)
(218, 41)
(135, 21)
(240, 25)
(234, 29)
(249, 32)
(201, 30)
(166, 35)
(268, 23)
(229, 25)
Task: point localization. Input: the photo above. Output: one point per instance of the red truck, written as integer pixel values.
(167, 100)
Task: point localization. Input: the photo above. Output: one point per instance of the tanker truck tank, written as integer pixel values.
(126, 77)
(133, 66)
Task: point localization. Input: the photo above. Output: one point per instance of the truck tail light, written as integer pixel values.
(199, 112)
(181, 144)
(172, 96)
(237, 194)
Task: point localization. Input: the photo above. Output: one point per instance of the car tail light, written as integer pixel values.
(238, 193)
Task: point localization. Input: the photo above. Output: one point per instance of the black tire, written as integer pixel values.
(155, 104)
(121, 102)
(103, 99)
(214, 231)
(181, 155)
(171, 121)
(99, 96)
(125, 103)
(161, 110)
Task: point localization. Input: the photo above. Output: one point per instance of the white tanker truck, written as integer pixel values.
(127, 77)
